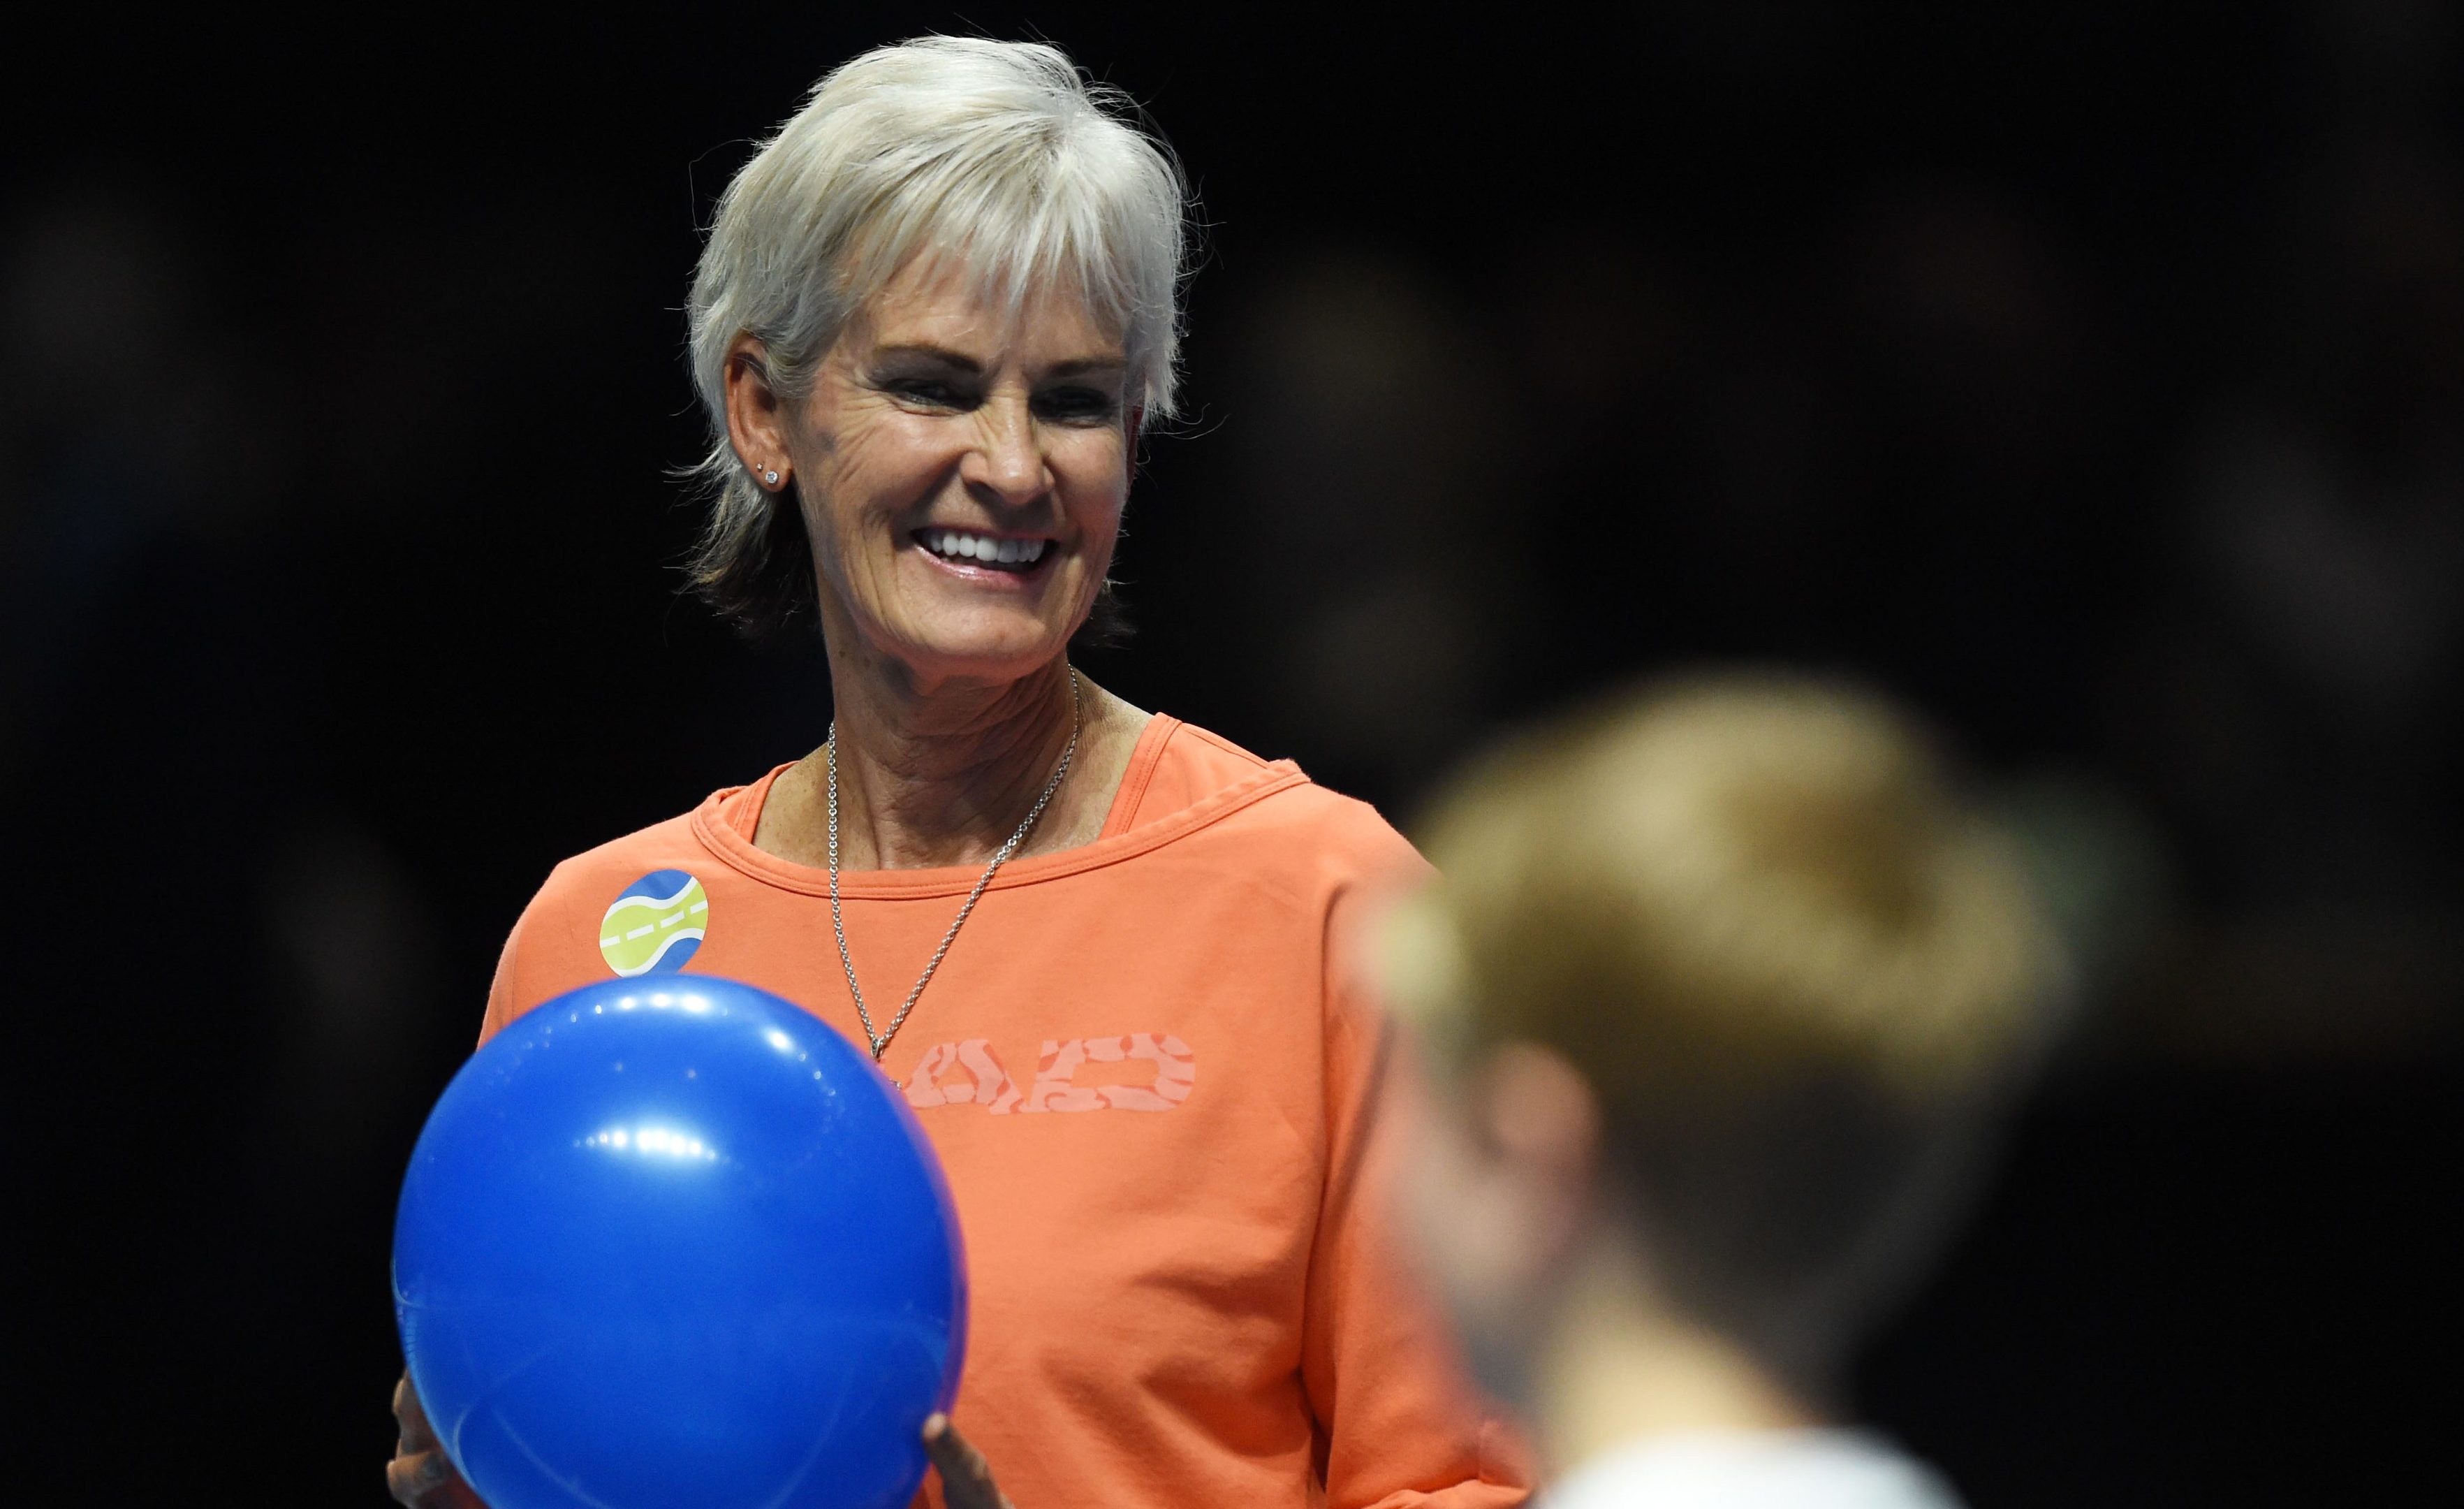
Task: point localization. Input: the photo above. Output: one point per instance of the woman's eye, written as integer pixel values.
(1079, 403)
(929, 391)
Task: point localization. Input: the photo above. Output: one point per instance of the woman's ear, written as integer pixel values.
(1137, 421)
(756, 418)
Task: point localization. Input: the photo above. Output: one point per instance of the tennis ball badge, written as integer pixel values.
(655, 925)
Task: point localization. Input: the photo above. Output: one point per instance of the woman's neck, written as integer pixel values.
(944, 775)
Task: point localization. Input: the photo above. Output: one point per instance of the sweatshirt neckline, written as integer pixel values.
(736, 849)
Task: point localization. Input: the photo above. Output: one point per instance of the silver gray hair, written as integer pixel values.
(1003, 155)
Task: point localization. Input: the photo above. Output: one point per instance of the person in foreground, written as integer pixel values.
(1091, 944)
(1722, 990)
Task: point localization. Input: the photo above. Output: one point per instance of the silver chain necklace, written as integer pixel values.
(880, 1040)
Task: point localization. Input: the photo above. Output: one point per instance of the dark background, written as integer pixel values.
(2088, 375)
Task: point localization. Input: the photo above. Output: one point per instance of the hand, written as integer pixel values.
(966, 1481)
(420, 1475)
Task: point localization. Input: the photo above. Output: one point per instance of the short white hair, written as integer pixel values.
(1003, 155)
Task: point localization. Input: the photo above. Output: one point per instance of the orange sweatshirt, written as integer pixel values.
(1148, 1079)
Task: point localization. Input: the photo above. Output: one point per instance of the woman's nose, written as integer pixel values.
(1008, 459)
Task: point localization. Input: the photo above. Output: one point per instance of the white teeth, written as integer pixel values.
(959, 546)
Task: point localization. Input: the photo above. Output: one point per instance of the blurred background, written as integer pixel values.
(2089, 375)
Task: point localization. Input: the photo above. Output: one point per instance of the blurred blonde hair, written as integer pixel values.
(1793, 965)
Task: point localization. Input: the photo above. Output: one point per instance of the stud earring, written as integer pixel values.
(770, 478)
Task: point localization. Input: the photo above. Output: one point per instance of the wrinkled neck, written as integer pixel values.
(944, 775)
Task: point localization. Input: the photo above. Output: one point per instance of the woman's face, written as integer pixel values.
(963, 473)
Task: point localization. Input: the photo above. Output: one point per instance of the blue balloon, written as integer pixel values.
(679, 1245)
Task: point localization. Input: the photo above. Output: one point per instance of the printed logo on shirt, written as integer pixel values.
(1157, 1073)
(655, 925)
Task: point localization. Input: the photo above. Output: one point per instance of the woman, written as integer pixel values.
(1092, 944)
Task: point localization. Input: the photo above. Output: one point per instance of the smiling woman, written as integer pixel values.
(946, 412)
(948, 164)
(934, 314)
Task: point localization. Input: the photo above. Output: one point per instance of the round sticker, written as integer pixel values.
(655, 925)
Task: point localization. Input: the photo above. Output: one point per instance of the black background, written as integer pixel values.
(1957, 349)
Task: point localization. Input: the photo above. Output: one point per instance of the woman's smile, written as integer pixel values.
(961, 464)
(986, 556)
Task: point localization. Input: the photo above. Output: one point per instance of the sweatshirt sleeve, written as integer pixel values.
(501, 988)
(1399, 1422)
(539, 957)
